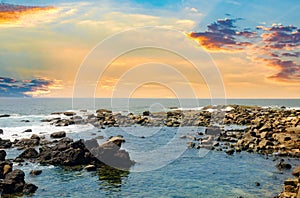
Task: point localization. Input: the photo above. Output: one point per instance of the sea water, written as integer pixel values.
(191, 174)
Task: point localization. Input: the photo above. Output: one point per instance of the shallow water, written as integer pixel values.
(192, 174)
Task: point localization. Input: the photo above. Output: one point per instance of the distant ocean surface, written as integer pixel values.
(33, 106)
(190, 175)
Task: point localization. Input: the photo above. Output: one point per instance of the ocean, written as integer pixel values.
(171, 173)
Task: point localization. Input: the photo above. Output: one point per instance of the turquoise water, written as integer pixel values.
(189, 175)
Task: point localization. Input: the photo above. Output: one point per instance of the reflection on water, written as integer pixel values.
(111, 178)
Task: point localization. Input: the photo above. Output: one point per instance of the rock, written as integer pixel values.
(101, 111)
(35, 136)
(69, 113)
(25, 142)
(230, 151)
(14, 183)
(191, 144)
(283, 165)
(296, 171)
(29, 189)
(28, 130)
(1, 131)
(90, 168)
(2, 155)
(29, 154)
(59, 134)
(4, 116)
(25, 120)
(146, 113)
(257, 184)
(5, 144)
(35, 172)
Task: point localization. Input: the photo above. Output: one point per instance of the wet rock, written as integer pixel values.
(28, 130)
(59, 134)
(29, 189)
(25, 120)
(5, 144)
(4, 116)
(2, 155)
(14, 183)
(1, 131)
(29, 154)
(257, 184)
(35, 172)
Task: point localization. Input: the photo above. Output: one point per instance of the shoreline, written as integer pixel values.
(267, 131)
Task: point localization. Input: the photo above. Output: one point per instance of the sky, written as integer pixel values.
(150, 49)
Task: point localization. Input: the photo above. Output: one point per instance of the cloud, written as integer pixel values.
(10, 87)
(276, 46)
(28, 16)
(223, 35)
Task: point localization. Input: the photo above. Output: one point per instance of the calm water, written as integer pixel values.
(192, 174)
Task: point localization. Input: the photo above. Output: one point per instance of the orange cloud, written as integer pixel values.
(11, 13)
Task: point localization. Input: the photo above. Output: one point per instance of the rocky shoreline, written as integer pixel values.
(267, 131)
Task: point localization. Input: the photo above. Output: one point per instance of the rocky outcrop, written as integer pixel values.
(66, 152)
(14, 183)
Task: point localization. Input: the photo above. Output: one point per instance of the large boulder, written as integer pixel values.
(14, 183)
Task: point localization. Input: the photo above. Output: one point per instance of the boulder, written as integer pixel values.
(1, 131)
(2, 155)
(5, 144)
(14, 183)
(4, 116)
(59, 134)
(28, 130)
(29, 154)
